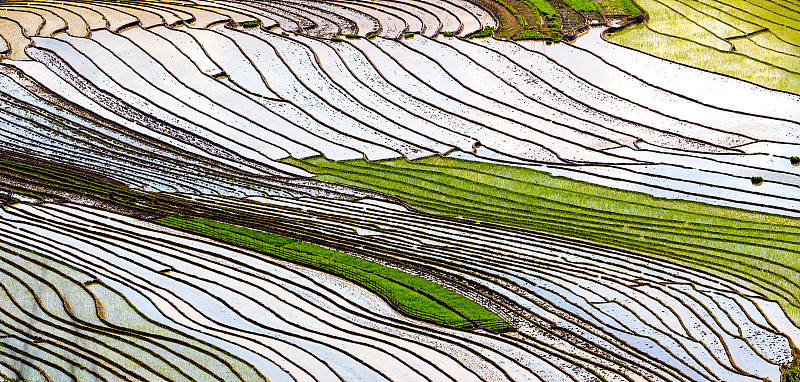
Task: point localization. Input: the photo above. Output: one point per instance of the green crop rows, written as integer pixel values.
(411, 294)
(755, 249)
(752, 41)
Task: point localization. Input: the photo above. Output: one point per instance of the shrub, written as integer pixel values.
(486, 32)
(447, 34)
(553, 24)
(250, 24)
(757, 180)
(792, 375)
(370, 35)
(409, 35)
(284, 33)
(336, 39)
(795, 160)
(353, 36)
(791, 372)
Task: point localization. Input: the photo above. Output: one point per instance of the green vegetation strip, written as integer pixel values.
(485, 32)
(582, 5)
(531, 34)
(755, 249)
(791, 372)
(45, 181)
(620, 6)
(251, 24)
(412, 295)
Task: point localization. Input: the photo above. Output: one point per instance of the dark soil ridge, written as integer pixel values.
(567, 26)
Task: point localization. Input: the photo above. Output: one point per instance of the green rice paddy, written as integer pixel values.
(755, 42)
(411, 294)
(755, 249)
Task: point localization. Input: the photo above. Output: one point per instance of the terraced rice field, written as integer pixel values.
(756, 41)
(399, 190)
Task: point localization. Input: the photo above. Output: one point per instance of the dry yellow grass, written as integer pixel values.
(30, 22)
(14, 39)
(147, 19)
(235, 15)
(52, 22)
(202, 17)
(265, 20)
(4, 47)
(168, 16)
(92, 18)
(115, 18)
(76, 25)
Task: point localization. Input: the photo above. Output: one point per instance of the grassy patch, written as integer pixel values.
(533, 35)
(543, 7)
(755, 249)
(250, 24)
(791, 372)
(582, 5)
(485, 32)
(619, 7)
(411, 294)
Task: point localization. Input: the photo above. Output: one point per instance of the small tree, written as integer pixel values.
(757, 180)
(795, 160)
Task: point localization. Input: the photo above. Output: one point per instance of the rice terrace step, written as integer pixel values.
(400, 190)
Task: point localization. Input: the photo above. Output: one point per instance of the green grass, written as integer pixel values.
(408, 35)
(485, 32)
(251, 24)
(411, 294)
(621, 6)
(336, 39)
(756, 249)
(791, 372)
(531, 34)
(582, 5)
(370, 35)
(521, 21)
(353, 36)
(543, 7)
